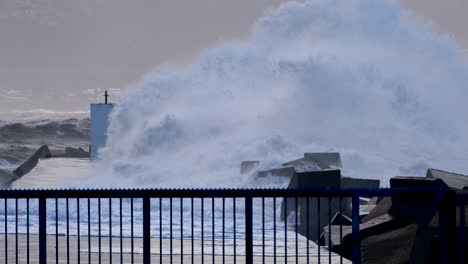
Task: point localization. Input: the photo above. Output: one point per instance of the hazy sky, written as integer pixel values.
(71, 50)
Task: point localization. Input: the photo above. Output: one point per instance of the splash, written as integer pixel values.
(362, 77)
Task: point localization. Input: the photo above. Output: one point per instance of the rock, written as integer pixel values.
(393, 246)
(283, 171)
(453, 180)
(28, 165)
(313, 179)
(325, 160)
(248, 166)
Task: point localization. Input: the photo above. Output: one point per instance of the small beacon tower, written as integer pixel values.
(99, 123)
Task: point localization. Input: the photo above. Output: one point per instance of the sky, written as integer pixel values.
(62, 54)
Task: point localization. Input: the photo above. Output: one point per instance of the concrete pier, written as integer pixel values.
(85, 251)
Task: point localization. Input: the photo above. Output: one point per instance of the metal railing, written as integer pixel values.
(199, 226)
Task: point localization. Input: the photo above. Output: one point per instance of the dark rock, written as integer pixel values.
(283, 171)
(394, 247)
(248, 166)
(28, 165)
(453, 180)
(325, 160)
(313, 179)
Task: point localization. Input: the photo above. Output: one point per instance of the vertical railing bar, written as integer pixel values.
(192, 231)
(355, 236)
(234, 227)
(263, 230)
(462, 233)
(329, 227)
(56, 232)
(6, 231)
(16, 229)
(202, 232)
(99, 229)
(296, 228)
(146, 230)
(318, 228)
(213, 229)
(89, 230)
(42, 230)
(224, 216)
(181, 230)
(27, 230)
(68, 231)
(170, 230)
(131, 229)
(78, 227)
(274, 230)
(341, 230)
(248, 229)
(307, 228)
(110, 230)
(285, 229)
(121, 231)
(160, 232)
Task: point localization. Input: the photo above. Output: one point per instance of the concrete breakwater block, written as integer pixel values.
(453, 180)
(415, 208)
(6, 178)
(343, 244)
(29, 164)
(395, 246)
(313, 179)
(325, 159)
(71, 153)
(282, 171)
(248, 166)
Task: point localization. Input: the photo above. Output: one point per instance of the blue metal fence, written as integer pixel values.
(181, 226)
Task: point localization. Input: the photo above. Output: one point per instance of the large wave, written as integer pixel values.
(361, 77)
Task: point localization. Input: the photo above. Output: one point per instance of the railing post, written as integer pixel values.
(146, 231)
(447, 226)
(42, 231)
(248, 230)
(356, 246)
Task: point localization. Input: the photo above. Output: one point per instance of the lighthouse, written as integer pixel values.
(99, 124)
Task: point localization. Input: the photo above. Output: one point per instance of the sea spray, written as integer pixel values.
(361, 77)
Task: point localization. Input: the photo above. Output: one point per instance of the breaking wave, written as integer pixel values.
(361, 77)
(69, 128)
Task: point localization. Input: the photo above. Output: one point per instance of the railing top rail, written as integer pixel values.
(208, 193)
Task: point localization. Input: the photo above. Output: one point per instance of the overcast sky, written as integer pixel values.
(79, 46)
